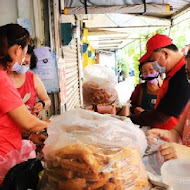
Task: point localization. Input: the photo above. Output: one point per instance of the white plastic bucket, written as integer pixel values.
(176, 173)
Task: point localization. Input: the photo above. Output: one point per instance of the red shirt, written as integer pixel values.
(163, 90)
(28, 87)
(10, 133)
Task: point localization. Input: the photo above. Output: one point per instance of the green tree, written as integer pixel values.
(137, 48)
(180, 34)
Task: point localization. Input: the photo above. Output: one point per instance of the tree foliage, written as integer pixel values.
(137, 48)
(133, 51)
(180, 34)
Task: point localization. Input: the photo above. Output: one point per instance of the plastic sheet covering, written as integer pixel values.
(99, 86)
(86, 150)
(150, 8)
(78, 3)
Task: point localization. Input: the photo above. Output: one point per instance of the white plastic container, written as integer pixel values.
(176, 173)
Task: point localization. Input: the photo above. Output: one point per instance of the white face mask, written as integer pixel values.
(159, 68)
(17, 66)
(188, 81)
(22, 69)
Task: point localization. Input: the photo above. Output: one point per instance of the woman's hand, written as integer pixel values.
(38, 138)
(38, 107)
(39, 114)
(174, 151)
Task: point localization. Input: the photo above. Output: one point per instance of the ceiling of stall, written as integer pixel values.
(114, 31)
(108, 29)
(160, 8)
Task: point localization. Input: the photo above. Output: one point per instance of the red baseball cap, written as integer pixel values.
(155, 42)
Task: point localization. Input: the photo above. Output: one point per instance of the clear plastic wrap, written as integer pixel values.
(155, 159)
(87, 150)
(99, 85)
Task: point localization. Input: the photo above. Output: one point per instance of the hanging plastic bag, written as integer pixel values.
(14, 157)
(22, 176)
(87, 150)
(99, 85)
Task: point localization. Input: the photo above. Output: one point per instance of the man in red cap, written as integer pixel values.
(175, 91)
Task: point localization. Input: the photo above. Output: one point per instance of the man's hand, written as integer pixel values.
(174, 151)
(138, 110)
(168, 136)
(155, 134)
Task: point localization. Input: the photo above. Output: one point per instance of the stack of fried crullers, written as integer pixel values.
(86, 151)
(93, 94)
(88, 167)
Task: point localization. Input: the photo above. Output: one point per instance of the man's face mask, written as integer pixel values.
(157, 67)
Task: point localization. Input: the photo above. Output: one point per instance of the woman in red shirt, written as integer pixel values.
(14, 116)
(29, 83)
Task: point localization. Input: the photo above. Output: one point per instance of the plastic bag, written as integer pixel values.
(99, 85)
(87, 150)
(141, 139)
(155, 159)
(14, 157)
(23, 176)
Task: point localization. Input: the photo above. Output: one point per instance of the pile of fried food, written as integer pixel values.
(93, 94)
(88, 167)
